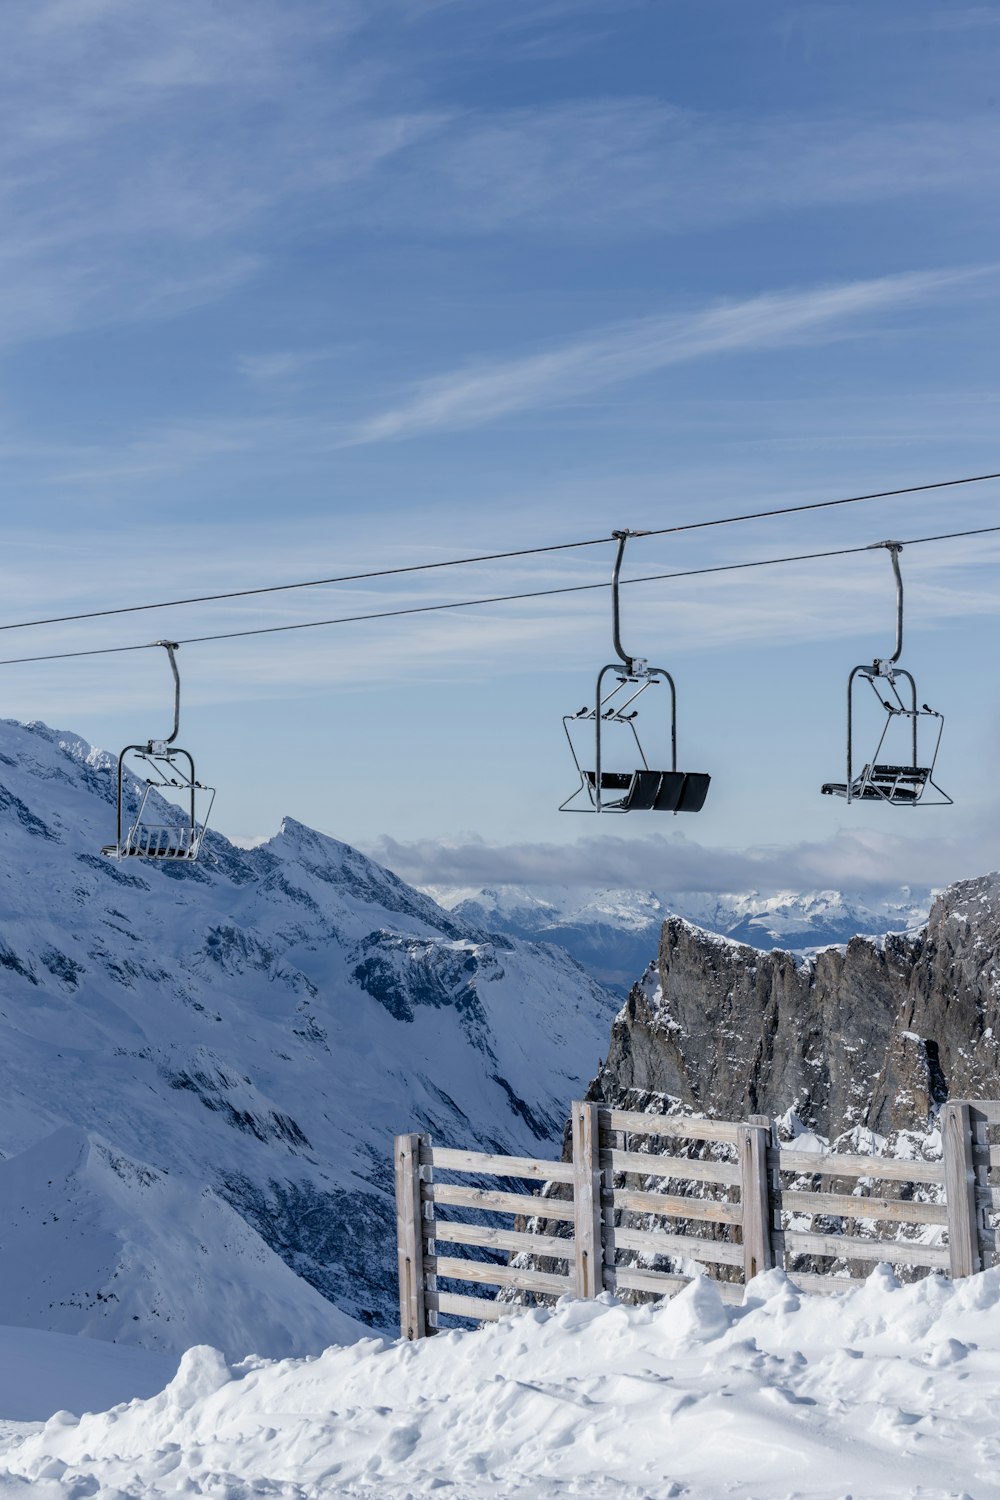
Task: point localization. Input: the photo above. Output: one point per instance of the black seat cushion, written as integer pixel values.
(643, 791)
(694, 791)
(667, 791)
(611, 781)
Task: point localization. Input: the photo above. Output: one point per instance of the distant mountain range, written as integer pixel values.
(615, 934)
(863, 1044)
(202, 1068)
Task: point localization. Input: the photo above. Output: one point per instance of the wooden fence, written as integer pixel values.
(714, 1194)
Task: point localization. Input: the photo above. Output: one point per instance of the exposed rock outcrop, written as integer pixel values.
(876, 1034)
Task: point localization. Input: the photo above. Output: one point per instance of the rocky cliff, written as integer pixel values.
(875, 1034)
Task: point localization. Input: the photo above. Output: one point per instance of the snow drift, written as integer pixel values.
(882, 1391)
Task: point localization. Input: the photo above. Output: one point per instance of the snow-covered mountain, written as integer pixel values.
(201, 1068)
(615, 933)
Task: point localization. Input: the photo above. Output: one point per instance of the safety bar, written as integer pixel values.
(653, 672)
(911, 713)
(144, 750)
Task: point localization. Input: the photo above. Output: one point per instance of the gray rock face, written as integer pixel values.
(875, 1035)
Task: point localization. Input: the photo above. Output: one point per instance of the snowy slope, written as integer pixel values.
(209, 1064)
(615, 933)
(42, 1373)
(880, 1392)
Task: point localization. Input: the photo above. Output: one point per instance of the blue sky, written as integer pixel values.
(298, 289)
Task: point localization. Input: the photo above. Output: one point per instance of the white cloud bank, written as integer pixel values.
(864, 861)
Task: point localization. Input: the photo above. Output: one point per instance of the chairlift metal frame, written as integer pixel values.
(897, 785)
(180, 840)
(645, 789)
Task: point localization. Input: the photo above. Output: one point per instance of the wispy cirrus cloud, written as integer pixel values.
(479, 394)
(136, 159)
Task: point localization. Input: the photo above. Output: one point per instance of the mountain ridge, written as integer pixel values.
(615, 933)
(255, 1027)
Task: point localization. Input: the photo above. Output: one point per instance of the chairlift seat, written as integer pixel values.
(655, 791)
(611, 781)
(614, 717)
(901, 773)
(884, 784)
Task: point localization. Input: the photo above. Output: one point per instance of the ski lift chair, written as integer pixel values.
(162, 828)
(910, 783)
(645, 788)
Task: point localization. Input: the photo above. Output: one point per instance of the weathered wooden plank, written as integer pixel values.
(483, 1309)
(487, 1165)
(682, 1168)
(751, 1148)
(586, 1136)
(527, 1204)
(637, 1122)
(835, 1164)
(503, 1239)
(846, 1205)
(409, 1236)
(850, 1247)
(987, 1110)
(662, 1284)
(827, 1286)
(960, 1190)
(628, 1279)
(427, 1226)
(454, 1269)
(674, 1206)
(652, 1242)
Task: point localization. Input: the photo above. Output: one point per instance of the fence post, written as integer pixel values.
(960, 1189)
(587, 1211)
(410, 1237)
(752, 1142)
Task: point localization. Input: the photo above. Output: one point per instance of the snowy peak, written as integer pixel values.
(100, 1244)
(251, 1030)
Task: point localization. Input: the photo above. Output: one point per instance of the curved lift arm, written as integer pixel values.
(884, 668)
(633, 665)
(631, 662)
(170, 647)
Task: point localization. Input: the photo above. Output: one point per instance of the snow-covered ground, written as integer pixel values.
(884, 1391)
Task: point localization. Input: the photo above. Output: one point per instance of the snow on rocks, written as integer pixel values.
(884, 1391)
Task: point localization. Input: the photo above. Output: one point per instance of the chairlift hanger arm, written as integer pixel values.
(170, 647)
(621, 537)
(894, 549)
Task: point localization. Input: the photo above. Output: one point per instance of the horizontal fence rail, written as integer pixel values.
(647, 1202)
